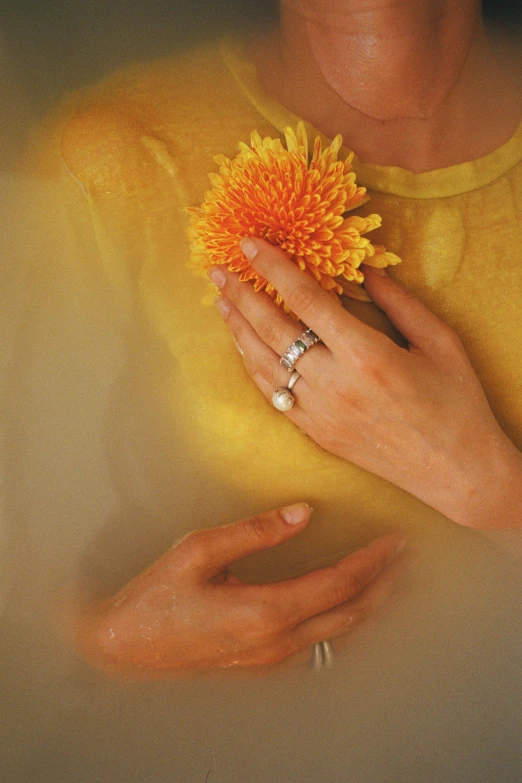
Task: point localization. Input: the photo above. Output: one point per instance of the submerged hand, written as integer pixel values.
(186, 613)
(416, 416)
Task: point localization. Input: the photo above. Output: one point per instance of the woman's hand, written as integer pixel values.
(418, 416)
(186, 613)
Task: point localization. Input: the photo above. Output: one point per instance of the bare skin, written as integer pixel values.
(407, 83)
(187, 614)
(418, 85)
(422, 405)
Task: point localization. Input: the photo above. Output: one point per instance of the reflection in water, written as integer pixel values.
(94, 468)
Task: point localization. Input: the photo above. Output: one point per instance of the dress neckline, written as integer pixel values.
(438, 183)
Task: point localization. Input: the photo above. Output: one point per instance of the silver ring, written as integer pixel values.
(293, 380)
(322, 656)
(283, 399)
(298, 348)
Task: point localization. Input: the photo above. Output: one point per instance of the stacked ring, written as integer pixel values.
(298, 348)
(322, 656)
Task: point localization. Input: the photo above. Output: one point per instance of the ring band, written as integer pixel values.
(282, 399)
(322, 656)
(293, 380)
(298, 348)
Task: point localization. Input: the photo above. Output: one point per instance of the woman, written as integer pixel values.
(418, 90)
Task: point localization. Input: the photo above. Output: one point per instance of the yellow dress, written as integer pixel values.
(130, 153)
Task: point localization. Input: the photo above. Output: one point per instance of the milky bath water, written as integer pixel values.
(98, 480)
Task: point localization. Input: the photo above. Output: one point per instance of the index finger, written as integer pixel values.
(319, 310)
(207, 552)
(326, 588)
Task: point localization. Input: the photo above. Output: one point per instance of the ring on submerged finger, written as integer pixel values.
(283, 399)
(294, 352)
(322, 656)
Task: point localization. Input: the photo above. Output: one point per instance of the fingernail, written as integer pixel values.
(223, 306)
(217, 276)
(296, 514)
(240, 350)
(249, 248)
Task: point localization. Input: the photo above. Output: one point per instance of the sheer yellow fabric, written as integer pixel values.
(129, 154)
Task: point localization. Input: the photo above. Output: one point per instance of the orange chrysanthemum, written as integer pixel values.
(294, 202)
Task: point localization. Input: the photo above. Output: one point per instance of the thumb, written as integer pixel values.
(217, 548)
(421, 328)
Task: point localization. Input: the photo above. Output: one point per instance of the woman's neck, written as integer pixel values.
(411, 83)
(387, 59)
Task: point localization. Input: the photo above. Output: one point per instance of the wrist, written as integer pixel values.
(93, 636)
(491, 497)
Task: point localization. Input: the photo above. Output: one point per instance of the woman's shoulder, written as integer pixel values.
(138, 122)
